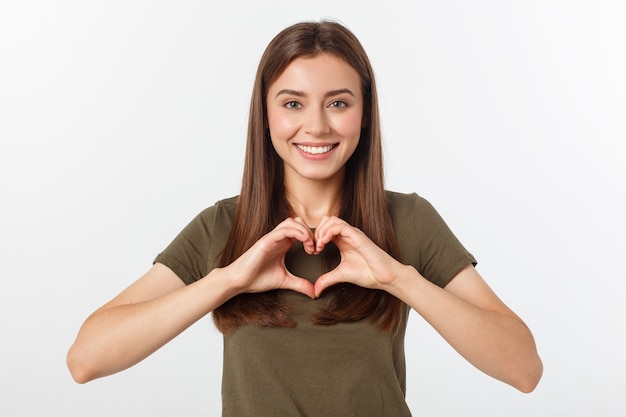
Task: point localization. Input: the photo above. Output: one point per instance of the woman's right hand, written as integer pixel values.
(262, 267)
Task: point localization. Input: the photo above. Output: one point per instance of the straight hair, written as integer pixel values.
(263, 205)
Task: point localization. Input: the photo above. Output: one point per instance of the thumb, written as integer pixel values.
(300, 285)
(325, 281)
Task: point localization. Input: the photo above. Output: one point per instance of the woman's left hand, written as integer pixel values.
(362, 262)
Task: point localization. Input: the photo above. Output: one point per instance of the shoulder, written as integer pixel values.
(214, 222)
(413, 212)
(227, 205)
(222, 211)
(196, 249)
(228, 202)
(425, 240)
(405, 206)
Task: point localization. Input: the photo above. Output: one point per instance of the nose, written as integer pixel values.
(316, 123)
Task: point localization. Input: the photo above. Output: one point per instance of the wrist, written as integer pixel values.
(224, 279)
(400, 284)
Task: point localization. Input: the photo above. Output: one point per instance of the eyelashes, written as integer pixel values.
(339, 104)
(295, 105)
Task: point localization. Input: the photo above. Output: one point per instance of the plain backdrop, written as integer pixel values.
(121, 120)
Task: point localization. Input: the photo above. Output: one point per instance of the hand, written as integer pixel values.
(362, 262)
(262, 267)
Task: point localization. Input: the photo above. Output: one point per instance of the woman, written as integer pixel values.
(311, 271)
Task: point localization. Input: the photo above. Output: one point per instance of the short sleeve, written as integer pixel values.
(197, 248)
(426, 242)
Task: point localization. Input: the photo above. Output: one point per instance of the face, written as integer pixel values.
(315, 113)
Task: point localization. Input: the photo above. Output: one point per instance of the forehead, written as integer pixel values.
(320, 72)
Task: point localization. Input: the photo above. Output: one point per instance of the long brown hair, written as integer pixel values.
(262, 202)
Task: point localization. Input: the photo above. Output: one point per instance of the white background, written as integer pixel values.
(121, 120)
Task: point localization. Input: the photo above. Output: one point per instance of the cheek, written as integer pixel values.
(281, 126)
(350, 123)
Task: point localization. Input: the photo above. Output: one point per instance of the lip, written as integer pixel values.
(316, 151)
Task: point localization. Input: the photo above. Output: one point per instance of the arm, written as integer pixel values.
(141, 319)
(158, 306)
(466, 312)
(469, 316)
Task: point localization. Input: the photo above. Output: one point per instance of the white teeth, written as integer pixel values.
(315, 150)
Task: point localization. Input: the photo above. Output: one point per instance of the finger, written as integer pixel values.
(301, 221)
(309, 244)
(330, 229)
(295, 230)
(323, 221)
(300, 285)
(325, 281)
(321, 236)
(305, 236)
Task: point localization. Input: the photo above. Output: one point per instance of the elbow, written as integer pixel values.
(78, 367)
(527, 386)
(528, 381)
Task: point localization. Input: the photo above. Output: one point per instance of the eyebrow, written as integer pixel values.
(331, 93)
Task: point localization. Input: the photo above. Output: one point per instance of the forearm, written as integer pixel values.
(115, 338)
(496, 343)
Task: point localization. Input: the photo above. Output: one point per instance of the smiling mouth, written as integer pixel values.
(316, 150)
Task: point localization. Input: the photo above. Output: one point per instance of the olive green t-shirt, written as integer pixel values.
(346, 369)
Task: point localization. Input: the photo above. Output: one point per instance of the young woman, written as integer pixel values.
(311, 271)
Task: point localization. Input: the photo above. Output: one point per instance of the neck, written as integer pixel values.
(312, 200)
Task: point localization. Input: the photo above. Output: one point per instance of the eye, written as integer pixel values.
(338, 104)
(293, 105)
